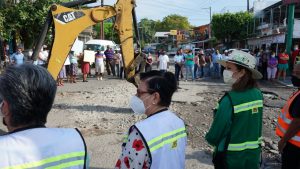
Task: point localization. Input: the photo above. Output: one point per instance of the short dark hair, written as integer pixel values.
(162, 82)
(30, 91)
(245, 82)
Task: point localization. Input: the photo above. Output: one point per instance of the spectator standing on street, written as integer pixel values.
(215, 57)
(264, 63)
(296, 60)
(208, 65)
(110, 64)
(283, 64)
(6, 55)
(61, 76)
(121, 67)
(182, 67)
(149, 62)
(295, 56)
(225, 56)
(237, 126)
(179, 61)
(73, 66)
(42, 57)
(272, 67)
(117, 59)
(159, 141)
(163, 62)
(27, 94)
(258, 61)
(99, 64)
(202, 63)
(288, 127)
(18, 57)
(85, 67)
(67, 67)
(189, 65)
(196, 65)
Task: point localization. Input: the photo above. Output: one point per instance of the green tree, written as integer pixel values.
(109, 32)
(24, 20)
(231, 26)
(147, 29)
(2, 32)
(174, 21)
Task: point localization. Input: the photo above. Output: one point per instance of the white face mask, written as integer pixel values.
(273, 56)
(228, 79)
(137, 105)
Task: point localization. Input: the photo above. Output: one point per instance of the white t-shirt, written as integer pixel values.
(43, 56)
(100, 58)
(163, 62)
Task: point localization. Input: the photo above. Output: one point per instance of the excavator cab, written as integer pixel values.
(67, 22)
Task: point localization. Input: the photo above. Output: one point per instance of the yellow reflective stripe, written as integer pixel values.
(69, 164)
(47, 160)
(245, 104)
(248, 106)
(165, 135)
(245, 145)
(167, 142)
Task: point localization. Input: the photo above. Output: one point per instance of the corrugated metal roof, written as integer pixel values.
(162, 34)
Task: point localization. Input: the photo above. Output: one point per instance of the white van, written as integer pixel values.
(97, 44)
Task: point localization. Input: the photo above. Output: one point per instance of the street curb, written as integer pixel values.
(285, 84)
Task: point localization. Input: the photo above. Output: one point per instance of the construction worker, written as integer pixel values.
(288, 127)
(27, 93)
(159, 141)
(237, 125)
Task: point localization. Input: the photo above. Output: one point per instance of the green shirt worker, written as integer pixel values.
(237, 126)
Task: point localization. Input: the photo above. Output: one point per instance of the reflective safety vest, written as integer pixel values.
(166, 138)
(246, 125)
(40, 148)
(284, 120)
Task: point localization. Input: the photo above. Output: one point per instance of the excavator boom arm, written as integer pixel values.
(69, 23)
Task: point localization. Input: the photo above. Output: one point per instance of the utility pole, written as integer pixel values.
(209, 22)
(248, 6)
(209, 26)
(290, 27)
(140, 30)
(101, 24)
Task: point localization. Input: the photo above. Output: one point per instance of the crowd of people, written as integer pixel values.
(109, 59)
(27, 93)
(272, 66)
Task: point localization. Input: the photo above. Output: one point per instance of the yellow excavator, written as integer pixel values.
(67, 22)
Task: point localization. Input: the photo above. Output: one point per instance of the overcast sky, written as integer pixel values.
(197, 11)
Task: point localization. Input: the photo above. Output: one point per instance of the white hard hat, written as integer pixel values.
(243, 59)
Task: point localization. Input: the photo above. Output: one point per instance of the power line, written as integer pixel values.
(174, 7)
